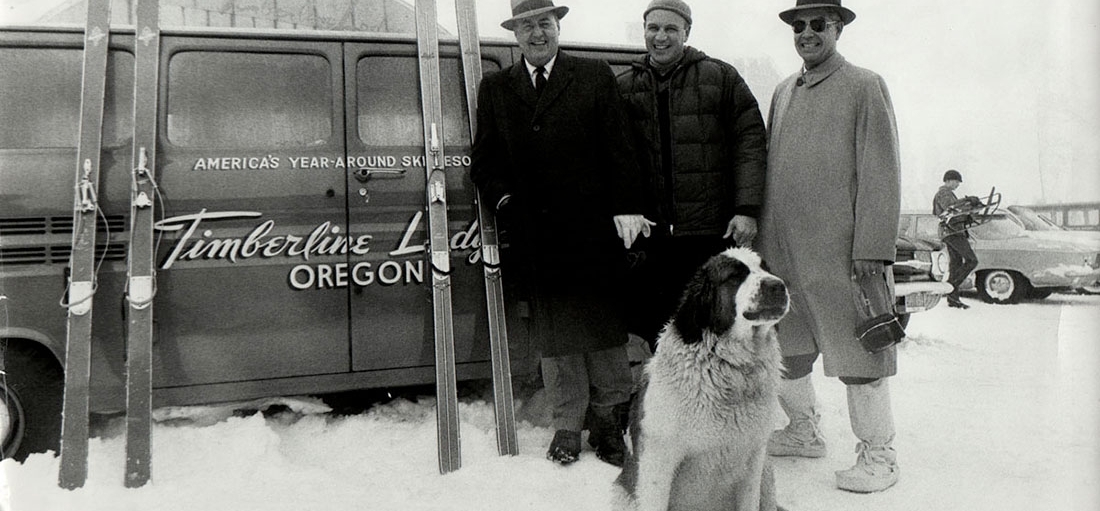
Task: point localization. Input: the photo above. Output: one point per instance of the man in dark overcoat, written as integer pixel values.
(551, 153)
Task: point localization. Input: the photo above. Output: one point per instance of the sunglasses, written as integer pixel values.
(816, 24)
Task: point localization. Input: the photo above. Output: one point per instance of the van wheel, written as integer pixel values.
(30, 401)
(1002, 286)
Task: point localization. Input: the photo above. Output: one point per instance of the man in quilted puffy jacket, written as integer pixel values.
(702, 144)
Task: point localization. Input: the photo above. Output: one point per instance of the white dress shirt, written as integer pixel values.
(531, 70)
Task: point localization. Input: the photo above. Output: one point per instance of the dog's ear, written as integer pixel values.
(709, 301)
(707, 304)
(693, 314)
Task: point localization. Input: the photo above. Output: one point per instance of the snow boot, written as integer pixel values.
(606, 431)
(565, 448)
(801, 437)
(876, 467)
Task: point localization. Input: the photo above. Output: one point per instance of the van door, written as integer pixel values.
(391, 309)
(253, 264)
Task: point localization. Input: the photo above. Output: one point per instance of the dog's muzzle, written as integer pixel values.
(772, 301)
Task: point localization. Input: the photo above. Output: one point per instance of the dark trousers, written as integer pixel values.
(600, 379)
(963, 261)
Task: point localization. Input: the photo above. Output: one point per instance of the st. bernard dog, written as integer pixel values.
(701, 420)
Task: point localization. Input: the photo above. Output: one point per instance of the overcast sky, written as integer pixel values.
(1007, 92)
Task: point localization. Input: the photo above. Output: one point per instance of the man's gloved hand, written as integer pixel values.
(630, 226)
(743, 230)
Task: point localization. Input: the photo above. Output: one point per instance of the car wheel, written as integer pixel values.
(30, 402)
(1001, 286)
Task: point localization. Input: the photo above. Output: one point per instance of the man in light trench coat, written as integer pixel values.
(830, 219)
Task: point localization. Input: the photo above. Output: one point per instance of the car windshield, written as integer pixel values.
(1034, 221)
(999, 227)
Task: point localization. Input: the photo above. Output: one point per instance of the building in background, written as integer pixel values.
(378, 16)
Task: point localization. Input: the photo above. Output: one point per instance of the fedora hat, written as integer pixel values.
(526, 8)
(846, 14)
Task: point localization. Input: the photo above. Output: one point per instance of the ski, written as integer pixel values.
(141, 274)
(73, 470)
(439, 255)
(507, 443)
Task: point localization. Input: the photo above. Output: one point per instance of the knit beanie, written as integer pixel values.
(676, 6)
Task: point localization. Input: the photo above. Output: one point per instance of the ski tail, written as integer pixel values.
(439, 256)
(73, 470)
(141, 282)
(507, 442)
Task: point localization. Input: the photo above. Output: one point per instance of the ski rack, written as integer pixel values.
(976, 212)
(73, 468)
(438, 249)
(141, 273)
(503, 405)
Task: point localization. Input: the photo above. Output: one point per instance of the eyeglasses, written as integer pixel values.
(816, 24)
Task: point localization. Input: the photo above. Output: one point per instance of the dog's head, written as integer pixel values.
(732, 288)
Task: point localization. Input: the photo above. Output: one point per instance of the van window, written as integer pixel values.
(41, 91)
(219, 99)
(1083, 217)
(392, 116)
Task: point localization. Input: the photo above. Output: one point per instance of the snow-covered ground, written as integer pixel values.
(998, 408)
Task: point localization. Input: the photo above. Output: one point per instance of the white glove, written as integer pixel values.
(630, 226)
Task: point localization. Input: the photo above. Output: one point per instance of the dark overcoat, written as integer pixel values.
(564, 159)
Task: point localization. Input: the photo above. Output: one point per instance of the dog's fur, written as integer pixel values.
(701, 421)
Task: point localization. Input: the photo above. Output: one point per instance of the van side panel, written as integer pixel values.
(391, 315)
(40, 108)
(290, 231)
(254, 229)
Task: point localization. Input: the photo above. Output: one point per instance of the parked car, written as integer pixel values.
(916, 284)
(1041, 227)
(1072, 216)
(1011, 264)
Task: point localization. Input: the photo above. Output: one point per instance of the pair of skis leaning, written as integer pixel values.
(73, 469)
(450, 457)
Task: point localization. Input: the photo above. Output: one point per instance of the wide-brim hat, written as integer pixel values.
(846, 14)
(527, 8)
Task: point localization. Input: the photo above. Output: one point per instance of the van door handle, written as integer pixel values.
(364, 173)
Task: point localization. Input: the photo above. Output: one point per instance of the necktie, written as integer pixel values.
(540, 79)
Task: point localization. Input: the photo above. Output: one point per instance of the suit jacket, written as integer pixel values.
(565, 158)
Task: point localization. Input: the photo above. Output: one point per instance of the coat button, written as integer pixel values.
(536, 127)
